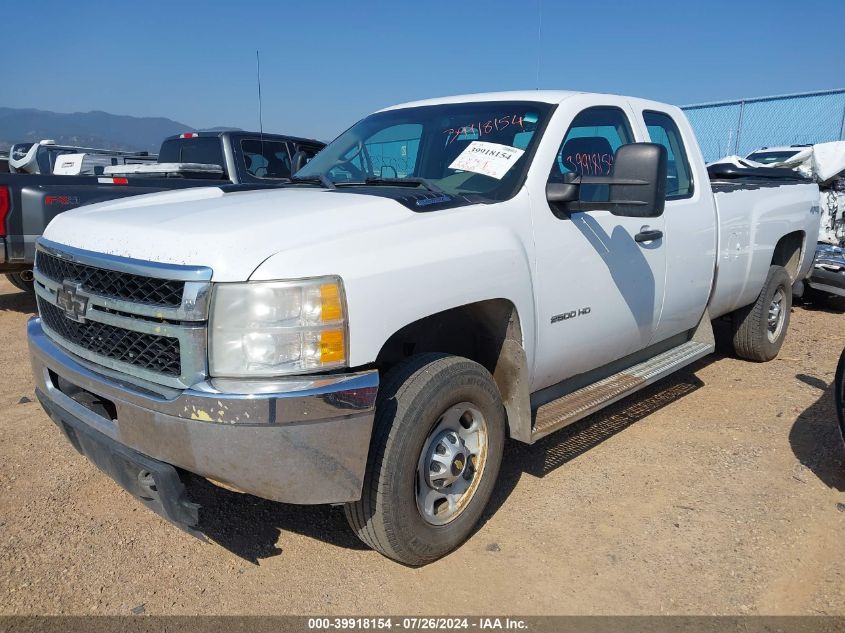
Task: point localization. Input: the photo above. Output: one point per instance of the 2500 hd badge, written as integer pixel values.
(565, 316)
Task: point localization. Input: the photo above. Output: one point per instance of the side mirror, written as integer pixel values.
(563, 192)
(640, 172)
(298, 161)
(636, 184)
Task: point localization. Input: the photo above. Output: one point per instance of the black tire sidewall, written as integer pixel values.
(16, 280)
(839, 394)
(778, 278)
(465, 382)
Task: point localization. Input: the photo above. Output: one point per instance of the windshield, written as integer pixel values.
(470, 149)
(771, 157)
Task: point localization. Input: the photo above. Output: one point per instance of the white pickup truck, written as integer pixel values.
(444, 274)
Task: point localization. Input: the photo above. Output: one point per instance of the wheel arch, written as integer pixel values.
(488, 332)
(788, 251)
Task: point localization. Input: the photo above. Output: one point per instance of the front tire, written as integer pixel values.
(760, 328)
(22, 281)
(434, 458)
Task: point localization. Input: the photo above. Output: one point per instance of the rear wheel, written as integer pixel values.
(23, 280)
(434, 458)
(760, 329)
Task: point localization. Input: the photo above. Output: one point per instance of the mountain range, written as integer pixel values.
(87, 129)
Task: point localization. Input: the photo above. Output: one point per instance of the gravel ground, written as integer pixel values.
(720, 490)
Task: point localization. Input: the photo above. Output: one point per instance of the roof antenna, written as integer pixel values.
(260, 119)
(539, 31)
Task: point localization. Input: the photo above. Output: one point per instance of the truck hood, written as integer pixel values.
(232, 233)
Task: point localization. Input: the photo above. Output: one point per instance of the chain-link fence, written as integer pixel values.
(741, 126)
(394, 158)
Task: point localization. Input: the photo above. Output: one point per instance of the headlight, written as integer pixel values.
(277, 327)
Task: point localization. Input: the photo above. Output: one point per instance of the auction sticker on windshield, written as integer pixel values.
(489, 159)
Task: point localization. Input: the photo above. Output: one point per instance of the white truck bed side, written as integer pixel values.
(751, 220)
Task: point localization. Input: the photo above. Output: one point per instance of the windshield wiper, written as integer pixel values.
(322, 179)
(398, 182)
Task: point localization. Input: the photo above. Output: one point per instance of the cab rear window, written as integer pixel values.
(204, 150)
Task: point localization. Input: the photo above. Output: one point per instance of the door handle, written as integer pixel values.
(648, 235)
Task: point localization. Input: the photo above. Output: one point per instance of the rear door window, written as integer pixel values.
(663, 130)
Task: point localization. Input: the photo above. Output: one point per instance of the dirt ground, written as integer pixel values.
(720, 490)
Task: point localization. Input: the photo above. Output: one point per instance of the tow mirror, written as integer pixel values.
(636, 185)
(563, 192)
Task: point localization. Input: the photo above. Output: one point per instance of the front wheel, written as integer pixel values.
(760, 329)
(23, 280)
(434, 458)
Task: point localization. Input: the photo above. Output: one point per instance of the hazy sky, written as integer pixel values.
(326, 64)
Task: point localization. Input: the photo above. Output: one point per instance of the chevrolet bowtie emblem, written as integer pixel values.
(69, 299)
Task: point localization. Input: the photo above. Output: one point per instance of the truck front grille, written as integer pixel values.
(145, 320)
(159, 354)
(112, 283)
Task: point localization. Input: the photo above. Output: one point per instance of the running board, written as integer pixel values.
(582, 402)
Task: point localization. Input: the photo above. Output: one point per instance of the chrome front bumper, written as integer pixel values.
(304, 441)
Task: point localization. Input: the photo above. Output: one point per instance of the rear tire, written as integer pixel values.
(760, 328)
(429, 474)
(22, 281)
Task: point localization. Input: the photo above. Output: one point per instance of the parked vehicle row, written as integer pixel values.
(444, 274)
(194, 159)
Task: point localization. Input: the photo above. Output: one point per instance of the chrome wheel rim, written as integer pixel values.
(776, 316)
(451, 464)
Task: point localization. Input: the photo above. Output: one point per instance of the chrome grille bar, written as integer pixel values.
(126, 324)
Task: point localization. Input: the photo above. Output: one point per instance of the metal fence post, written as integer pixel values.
(739, 127)
(842, 127)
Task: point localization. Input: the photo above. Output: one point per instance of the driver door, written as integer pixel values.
(600, 290)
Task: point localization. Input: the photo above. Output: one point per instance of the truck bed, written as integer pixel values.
(753, 214)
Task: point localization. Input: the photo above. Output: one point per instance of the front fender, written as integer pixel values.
(430, 262)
